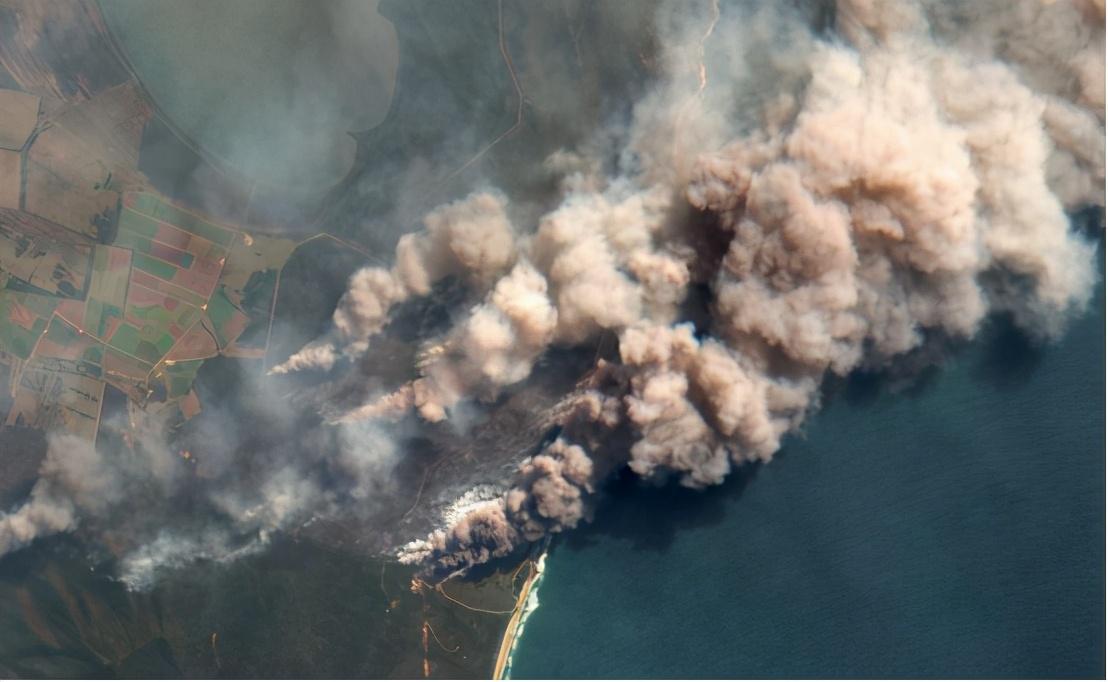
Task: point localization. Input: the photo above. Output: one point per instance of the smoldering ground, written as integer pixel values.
(803, 190)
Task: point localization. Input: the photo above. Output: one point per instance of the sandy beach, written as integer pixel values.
(525, 604)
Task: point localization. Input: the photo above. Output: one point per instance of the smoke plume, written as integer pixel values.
(471, 238)
(844, 196)
(801, 191)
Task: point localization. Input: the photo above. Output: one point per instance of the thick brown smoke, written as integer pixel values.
(471, 238)
(549, 496)
(907, 177)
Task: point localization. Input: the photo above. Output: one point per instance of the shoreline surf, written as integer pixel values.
(526, 604)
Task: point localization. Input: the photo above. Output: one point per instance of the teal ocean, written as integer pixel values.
(955, 529)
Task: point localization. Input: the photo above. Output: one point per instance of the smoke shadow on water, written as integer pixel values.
(1005, 357)
(938, 519)
(651, 516)
(865, 388)
(1010, 356)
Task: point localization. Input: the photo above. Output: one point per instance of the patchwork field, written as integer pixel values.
(104, 281)
(140, 314)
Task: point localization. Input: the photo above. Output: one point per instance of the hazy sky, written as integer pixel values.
(277, 105)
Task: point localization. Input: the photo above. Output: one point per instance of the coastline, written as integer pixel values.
(525, 604)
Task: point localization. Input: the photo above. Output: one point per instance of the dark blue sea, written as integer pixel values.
(951, 529)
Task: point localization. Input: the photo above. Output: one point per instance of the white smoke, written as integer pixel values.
(77, 480)
(140, 569)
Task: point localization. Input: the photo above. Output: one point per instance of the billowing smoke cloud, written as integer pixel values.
(471, 238)
(569, 284)
(549, 496)
(495, 346)
(791, 200)
(902, 179)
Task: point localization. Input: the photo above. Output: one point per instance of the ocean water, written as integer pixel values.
(954, 529)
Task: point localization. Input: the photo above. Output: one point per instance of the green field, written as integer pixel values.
(221, 312)
(150, 205)
(16, 338)
(155, 267)
(142, 296)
